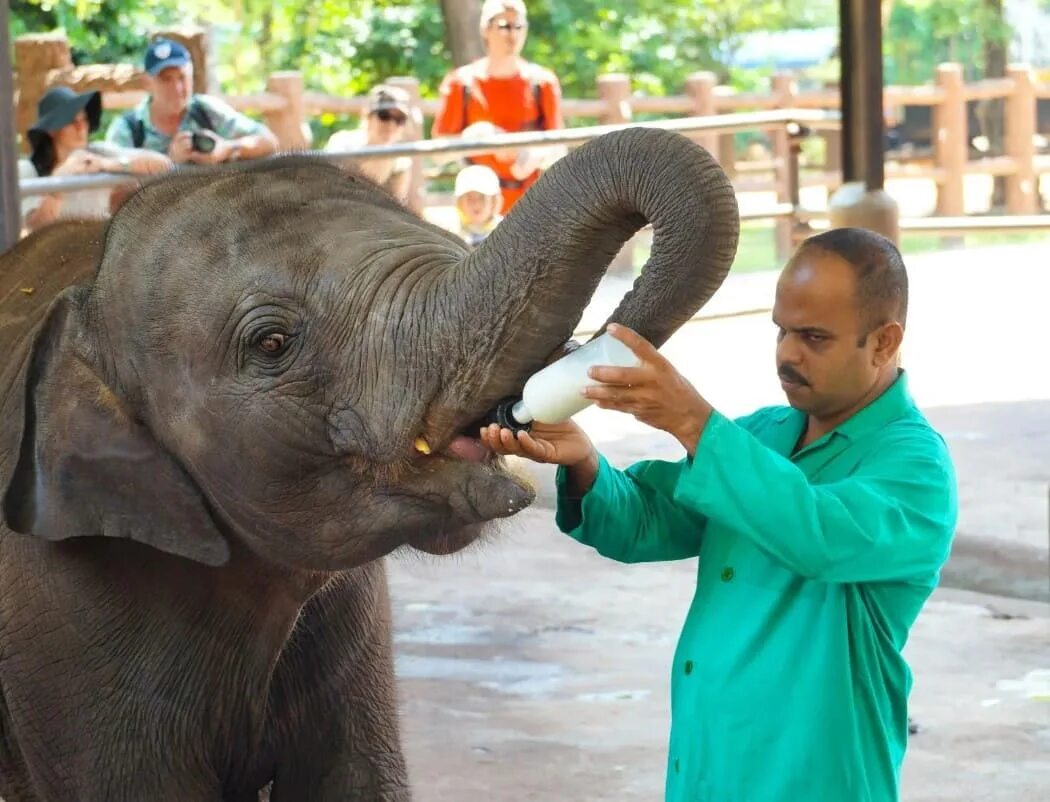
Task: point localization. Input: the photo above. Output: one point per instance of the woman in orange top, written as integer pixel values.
(502, 92)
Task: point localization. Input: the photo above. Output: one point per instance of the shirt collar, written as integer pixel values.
(894, 402)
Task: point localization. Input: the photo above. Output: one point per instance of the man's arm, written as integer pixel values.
(892, 519)
(629, 515)
(240, 137)
(120, 159)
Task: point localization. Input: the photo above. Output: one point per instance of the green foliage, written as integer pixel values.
(920, 34)
(345, 46)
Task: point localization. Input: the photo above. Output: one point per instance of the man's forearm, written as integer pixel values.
(254, 146)
(581, 476)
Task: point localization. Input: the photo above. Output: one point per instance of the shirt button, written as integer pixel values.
(688, 667)
(676, 765)
(727, 573)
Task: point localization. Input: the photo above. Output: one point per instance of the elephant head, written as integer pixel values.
(263, 345)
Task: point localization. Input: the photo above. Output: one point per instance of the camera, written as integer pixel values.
(202, 143)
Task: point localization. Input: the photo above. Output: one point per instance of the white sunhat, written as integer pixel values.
(477, 178)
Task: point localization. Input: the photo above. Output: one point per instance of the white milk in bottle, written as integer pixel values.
(552, 395)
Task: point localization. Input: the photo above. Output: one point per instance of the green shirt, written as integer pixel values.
(788, 681)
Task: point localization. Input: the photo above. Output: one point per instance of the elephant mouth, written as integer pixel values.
(468, 448)
(474, 486)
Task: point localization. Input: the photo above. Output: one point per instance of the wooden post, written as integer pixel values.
(196, 41)
(35, 56)
(1022, 188)
(700, 89)
(784, 91)
(615, 90)
(413, 131)
(950, 150)
(287, 124)
(700, 86)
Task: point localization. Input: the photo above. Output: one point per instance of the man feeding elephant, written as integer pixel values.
(820, 527)
(266, 378)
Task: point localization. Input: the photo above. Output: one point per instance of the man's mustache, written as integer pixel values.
(789, 374)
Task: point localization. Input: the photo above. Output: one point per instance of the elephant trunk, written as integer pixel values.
(519, 296)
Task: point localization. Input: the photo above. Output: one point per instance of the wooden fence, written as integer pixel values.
(286, 106)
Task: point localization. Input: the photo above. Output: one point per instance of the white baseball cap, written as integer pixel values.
(477, 178)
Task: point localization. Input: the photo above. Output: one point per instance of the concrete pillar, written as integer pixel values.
(862, 201)
(854, 205)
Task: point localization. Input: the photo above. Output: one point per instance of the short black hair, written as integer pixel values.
(882, 280)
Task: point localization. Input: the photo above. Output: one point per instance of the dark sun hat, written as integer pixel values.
(57, 109)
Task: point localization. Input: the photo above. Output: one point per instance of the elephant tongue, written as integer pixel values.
(468, 448)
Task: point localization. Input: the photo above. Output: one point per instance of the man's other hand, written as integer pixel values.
(654, 392)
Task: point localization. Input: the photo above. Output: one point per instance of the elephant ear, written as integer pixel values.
(85, 466)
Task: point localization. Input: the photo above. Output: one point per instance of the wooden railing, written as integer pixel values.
(287, 106)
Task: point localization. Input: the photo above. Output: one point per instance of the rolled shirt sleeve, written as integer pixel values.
(892, 518)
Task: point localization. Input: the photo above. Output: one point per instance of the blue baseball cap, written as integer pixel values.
(164, 53)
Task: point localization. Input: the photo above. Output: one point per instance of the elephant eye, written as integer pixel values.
(272, 343)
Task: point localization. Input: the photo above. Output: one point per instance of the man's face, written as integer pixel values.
(171, 89)
(505, 34)
(822, 368)
(477, 208)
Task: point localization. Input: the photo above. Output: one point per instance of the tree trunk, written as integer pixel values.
(461, 30)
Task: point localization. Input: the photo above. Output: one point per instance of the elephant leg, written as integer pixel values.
(334, 701)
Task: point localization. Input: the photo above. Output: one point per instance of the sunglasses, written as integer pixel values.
(503, 25)
(386, 115)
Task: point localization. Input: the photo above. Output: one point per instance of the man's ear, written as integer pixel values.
(85, 466)
(888, 339)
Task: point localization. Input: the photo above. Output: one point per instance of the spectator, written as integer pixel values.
(187, 127)
(503, 93)
(59, 142)
(389, 115)
(478, 202)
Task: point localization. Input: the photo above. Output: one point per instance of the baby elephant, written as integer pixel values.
(260, 380)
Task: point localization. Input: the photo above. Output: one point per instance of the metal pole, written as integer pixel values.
(863, 123)
(10, 209)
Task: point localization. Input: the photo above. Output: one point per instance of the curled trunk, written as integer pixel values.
(523, 291)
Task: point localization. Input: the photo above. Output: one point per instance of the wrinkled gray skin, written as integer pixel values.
(192, 603)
